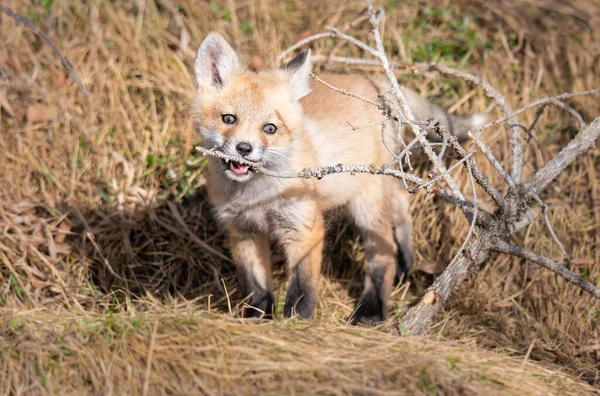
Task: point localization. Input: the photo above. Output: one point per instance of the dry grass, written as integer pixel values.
(187, 351)
(104, 223)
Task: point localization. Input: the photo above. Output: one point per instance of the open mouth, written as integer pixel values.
(237, 171)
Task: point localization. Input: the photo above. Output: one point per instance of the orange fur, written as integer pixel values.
(312, 131)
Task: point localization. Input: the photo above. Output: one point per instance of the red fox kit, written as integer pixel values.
(278, 118)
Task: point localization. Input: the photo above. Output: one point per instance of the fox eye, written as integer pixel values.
(270, 129)
(228, 118)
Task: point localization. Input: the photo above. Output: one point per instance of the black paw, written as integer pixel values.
(301, 298)
(260, 303)
(302, 306)
(260, 306)
(370, 310)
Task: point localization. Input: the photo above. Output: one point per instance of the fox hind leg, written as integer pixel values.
(402, 225)
(372, 213)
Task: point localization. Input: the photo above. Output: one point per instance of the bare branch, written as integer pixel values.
(498, 98)
(555, 100)
(303, 42)
(493, 160)
(385, 63)
(25, 21)
(400, 138)
(584, 141)
(518, 225)
(420, 135)
(370, 124)
(479, 176)
(344, 92)
(515, 211)
(470, 166)
(406, 109)
(320, 172)
(488, 89)
(558, 269)
(549, 224)
(442, 175)
(355, 61)
(314, 173)
(441, 154)
(352, 40)
(447, 71)
(418, 319)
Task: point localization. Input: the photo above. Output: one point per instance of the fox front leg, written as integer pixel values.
(252, 258)
(303, 245)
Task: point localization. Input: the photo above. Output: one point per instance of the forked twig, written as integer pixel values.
(302, 43)
(504, 247)
(313, 173)
(320, 172)
(442, 175)
(554, 100)
(345, 92)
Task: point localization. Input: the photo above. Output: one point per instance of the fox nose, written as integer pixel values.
(244, 148)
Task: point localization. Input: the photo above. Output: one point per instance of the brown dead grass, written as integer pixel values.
(187, 351)
(104, 223)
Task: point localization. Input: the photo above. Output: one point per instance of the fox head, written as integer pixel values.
(255, 115)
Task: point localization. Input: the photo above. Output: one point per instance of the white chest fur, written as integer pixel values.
(257, 205)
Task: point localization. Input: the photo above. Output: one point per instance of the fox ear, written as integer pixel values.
(216, 62)
(299, 74)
